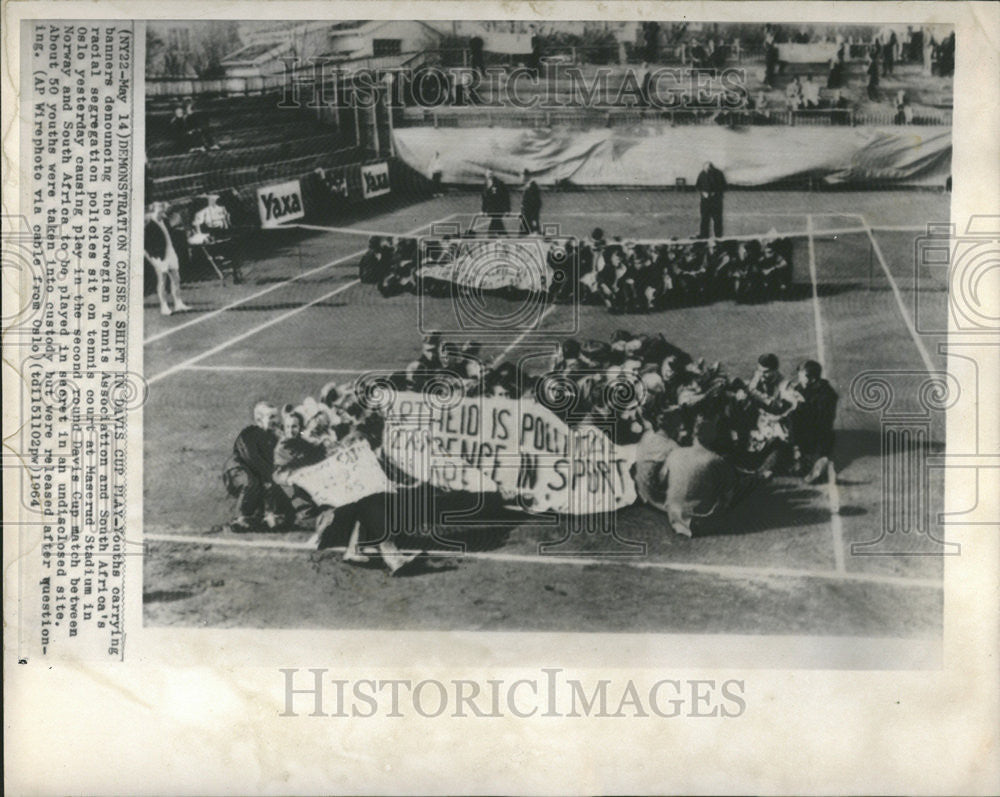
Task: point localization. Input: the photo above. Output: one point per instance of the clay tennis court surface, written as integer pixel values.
(785, 564)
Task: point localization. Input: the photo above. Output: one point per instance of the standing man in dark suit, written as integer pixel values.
(531, 204)
(496, 203)
(711, 185)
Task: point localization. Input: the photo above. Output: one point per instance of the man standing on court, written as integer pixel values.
(496, 203)
(531, 204)
(711, 185)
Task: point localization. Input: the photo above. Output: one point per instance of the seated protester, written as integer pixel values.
(591, 262)
(655, 445)
(727, 264)
(376, 263)
(321, 424)
(249, 474)
(560, 258)
(179, 130)
(337, 401)
(762, 426)
(701, 486)
(647, 279)
(665, 268)
(615, 281)
(713, 259)
(567, 358)
(506, 380)
(692, 274)
(595, 355)
(293, 450)
(775, 272)
(681, 392)
(747, 280)
(452, 365)
(811, 421)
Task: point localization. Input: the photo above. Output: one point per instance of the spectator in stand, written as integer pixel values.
(651, 40)
(904, 112)
(793, 94)
(198, 129)
(770, 61)
(179, 130)
(889, 54)
(158, 248)
(535, 59)
(810, 93)
(476, 55)
(531, 204)
(835, 77)
(841, 109)
(872, 70)
(249, 474)
(711, 185)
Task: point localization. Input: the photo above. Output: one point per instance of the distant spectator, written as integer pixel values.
(889, 54)
(810, 93)
(835, 77)
(793, 94)
(198, 129)
(476, 54)
(535, 59)
(841, 109)
(872, 69)
(179, 130)
(770, 62)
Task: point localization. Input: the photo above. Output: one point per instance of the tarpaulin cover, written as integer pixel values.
(753, 156)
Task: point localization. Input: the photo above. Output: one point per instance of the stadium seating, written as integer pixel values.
(257, 140)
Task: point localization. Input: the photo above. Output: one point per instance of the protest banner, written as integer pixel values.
(348, 474)
(517, 447)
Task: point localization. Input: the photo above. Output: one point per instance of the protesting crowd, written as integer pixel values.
(701, 438)
(623, 276)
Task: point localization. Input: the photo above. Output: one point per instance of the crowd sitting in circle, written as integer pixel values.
(638, 389)
(623, 276)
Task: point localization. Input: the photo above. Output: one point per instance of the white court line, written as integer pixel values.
(277, 369)
(832, 491)
(924, 355)
(201, 318)
(261, 327)
(581, 561)
(820, 345)
(182, 366)
(524, 334)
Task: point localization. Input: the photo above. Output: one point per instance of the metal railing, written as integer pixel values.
(625, 117)
(172, 87)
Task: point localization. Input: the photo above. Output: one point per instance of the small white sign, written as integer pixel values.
(280, 203)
